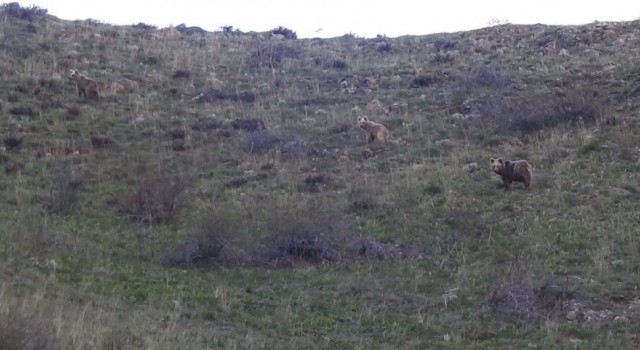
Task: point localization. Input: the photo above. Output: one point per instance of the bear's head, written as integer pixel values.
(363, 120)
(497, 165)
(75, 75)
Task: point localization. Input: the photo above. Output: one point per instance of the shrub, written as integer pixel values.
(520, 302)
(65, 189)
(73, 112)
(542, 111)
(206, 123)
(434, 188)
(271, 55)
(315, 181)
(100, 140)
(226, 29)
(384, 46)
(286, 32)
(237, 182)
(372, 249)
(296, 148)
(443, 45)
(204, 247)
(490, 75)
(30, 28)
(177, 133)
(149, 60)
(331, 62)
(30, 14)
(153, 200)
(211, 241)
(481, 78)
(303, 231)
(515, 302)
(440, 58)
(340, 128)
(299, 245)
(24, 111)
(93, 22)
(365, 202)
(144, 27)
(339, 64)
(260, 141)
(13, 141)
(422, 81)
(246, 97)
(182, 28)
(248, 124)
(181, 74)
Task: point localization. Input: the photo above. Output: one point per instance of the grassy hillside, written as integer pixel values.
(227, 198)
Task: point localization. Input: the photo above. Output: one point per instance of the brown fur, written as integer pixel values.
(515, 170)
(373, 131)
(85, 86)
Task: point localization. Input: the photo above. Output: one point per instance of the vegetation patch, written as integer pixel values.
(228, 198)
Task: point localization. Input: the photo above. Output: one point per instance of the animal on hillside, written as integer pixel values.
(373, 131)
(514, 170)
(85, 85)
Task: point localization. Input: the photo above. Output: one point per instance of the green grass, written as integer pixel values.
(164, 231)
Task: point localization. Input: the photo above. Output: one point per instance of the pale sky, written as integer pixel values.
(332, 18)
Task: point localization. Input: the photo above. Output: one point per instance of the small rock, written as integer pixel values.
(597, 315)
(635, 304)
(621, 319)
(572, 315)
(471, 167)
(375, 105)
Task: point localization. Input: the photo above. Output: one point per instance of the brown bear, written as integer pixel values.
(85, 86)
(515, 170)
(373, 131)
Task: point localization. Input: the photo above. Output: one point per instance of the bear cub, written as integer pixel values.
(85, 85)
(373, 131)
(514, 170)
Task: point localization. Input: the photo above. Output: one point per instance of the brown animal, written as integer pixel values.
(85, 85)
(515, 170)
(373, 131)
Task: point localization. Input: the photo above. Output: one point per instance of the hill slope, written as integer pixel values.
(220, 194)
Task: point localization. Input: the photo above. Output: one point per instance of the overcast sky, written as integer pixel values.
(331, 18)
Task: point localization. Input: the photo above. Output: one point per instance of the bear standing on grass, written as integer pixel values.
(373, 131)
(85, 86)
(515, 170)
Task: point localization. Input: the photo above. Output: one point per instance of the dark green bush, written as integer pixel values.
(286, 32)
(30, 13)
